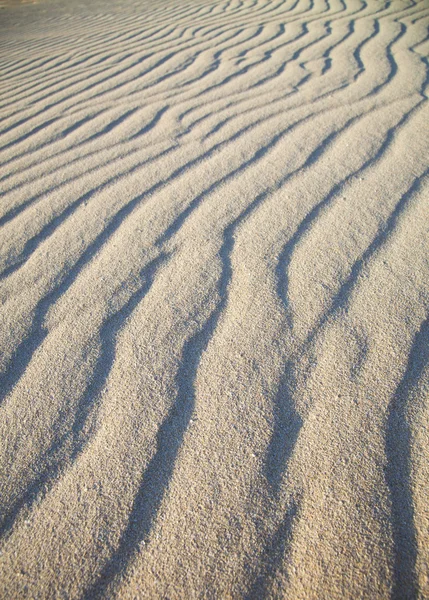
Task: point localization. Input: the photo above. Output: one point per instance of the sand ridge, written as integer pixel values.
(214, 299)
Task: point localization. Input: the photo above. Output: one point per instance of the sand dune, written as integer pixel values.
(214, 299)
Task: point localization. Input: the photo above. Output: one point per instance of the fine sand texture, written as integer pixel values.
(214, 299)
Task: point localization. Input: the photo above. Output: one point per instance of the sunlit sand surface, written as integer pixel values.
(214, 299)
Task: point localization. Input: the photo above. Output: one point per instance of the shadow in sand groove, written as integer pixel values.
(287, 424)
(272, 555)
(398, 470)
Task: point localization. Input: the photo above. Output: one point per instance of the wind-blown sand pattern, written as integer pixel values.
(214, 299)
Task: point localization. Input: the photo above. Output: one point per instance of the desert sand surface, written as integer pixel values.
(214, 299)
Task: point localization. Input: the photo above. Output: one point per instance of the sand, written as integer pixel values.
(214, 299)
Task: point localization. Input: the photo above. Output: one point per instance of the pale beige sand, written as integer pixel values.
(214, 299)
